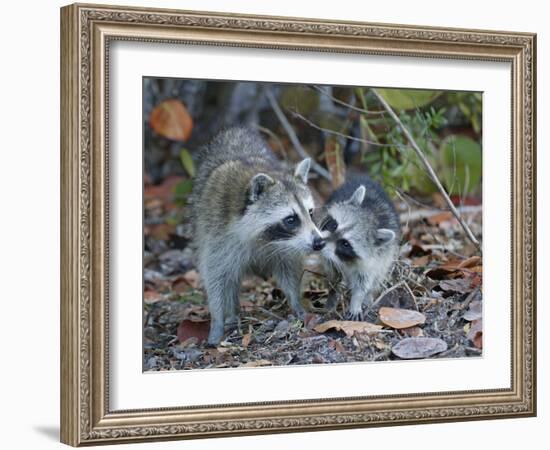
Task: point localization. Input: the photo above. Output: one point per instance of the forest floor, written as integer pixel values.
(430, 307)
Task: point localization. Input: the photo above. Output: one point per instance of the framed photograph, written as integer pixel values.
(277, 225)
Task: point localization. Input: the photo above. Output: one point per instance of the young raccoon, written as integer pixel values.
(361, 229)
(251, 215)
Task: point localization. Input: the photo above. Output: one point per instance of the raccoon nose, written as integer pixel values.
(318, 244)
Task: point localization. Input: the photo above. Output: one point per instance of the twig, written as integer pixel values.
(337, 133)
(387, 291)
(426, 213)
(269, 313)
(347, 105)
(429, 168)
(292, 135)
(409, 290)
(276, 138)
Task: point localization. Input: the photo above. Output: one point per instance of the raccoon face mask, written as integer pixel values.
(279, 211)
(352, 236)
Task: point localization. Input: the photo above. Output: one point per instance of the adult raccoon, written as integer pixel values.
(361, 229)
(251, 215)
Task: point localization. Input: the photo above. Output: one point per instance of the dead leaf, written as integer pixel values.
(334, 159)
(196, 313)
(311, 320)
(418, 347)
(476, 333)
(163, 191)
(193, 329)
(413, 331)
(150, 297)
(460, 285)
(171, 120)
(470, 262)
(474, 311)
(247, 305)
(400, 318)
(193, 278)
(452, 264)
(336, 345)
(437, 219)
(349, 327)
(441, 273)
(475, 269)
(161, 231)
(421, 261)
(180, 285)
(258, 363)
(247, 338)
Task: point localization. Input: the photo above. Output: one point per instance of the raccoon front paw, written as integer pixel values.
(215, 337)
(300, 313)
(354, 315)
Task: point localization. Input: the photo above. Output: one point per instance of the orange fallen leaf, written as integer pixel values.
(400, 318)
(437, 219)
(171, 120)
(476, 269)
(470, 262)
(476, 333)
(151, 296)
(349, 327)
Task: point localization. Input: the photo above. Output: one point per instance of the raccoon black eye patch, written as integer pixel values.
(292, 221)
(330, 225)
(344, 250)
(285, 229)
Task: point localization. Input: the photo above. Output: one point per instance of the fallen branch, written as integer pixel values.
(428, 167)
(292, 135)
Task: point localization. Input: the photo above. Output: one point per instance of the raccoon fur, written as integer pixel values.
(361, 229)
(251, 215)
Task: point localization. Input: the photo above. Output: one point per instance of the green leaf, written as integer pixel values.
(187, 162)
(401, 99)
(461, 164)
(183, 189)
(417, 174)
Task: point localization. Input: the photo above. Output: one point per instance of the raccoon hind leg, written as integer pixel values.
(232, 311)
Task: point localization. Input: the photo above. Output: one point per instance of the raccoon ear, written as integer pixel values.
(358, 196)
(258, 184)
(302, 169)
(384, 236)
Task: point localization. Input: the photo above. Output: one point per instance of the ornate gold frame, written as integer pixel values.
(86, 31)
